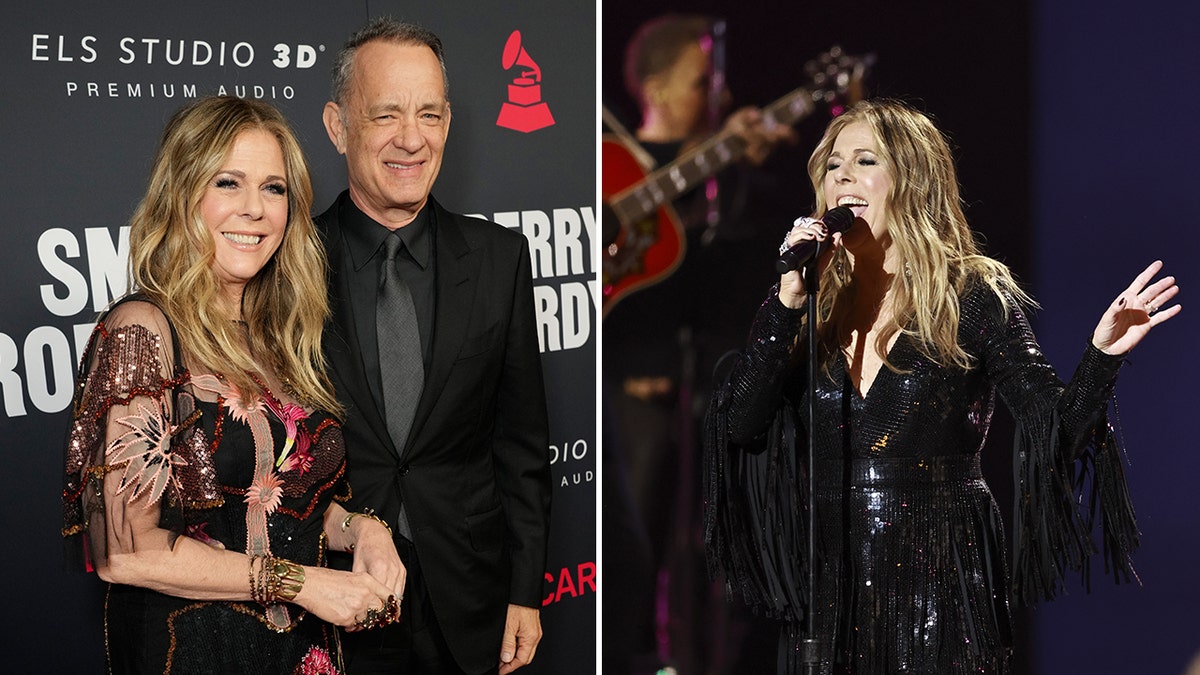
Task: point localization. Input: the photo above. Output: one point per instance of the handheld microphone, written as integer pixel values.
(837, 219)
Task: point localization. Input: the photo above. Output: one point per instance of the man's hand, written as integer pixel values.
(522, 632)
(760, 133)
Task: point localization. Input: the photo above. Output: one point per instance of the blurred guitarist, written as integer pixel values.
(661, 342)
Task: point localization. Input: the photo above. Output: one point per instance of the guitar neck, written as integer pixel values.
(669, 182)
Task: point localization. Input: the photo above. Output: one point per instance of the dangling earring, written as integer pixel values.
(838, 266)
(907, 269)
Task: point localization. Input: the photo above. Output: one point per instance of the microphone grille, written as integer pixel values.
(838, 219)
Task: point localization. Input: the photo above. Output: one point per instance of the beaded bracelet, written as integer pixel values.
(254, 594)
(366, 513)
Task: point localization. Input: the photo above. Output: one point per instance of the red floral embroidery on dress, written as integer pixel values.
(321, 488)
(146, 451)
(302, 459)
(289, 414)
(317, 662)
(266, 490)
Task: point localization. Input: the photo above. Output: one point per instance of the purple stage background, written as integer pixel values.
(1114, 182)
(1074, 129)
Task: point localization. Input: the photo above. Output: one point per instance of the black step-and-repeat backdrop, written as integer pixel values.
(88, 88)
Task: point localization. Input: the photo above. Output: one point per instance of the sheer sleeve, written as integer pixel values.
(754, 491)
(119, 460)
(1067, 461)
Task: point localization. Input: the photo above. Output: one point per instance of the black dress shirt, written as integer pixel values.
(415, 264)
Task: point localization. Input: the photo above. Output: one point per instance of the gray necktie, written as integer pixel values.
(400, 364)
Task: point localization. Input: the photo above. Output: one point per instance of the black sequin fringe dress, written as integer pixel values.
(911, 571)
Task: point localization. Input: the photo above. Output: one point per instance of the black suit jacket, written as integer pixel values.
(476, 474)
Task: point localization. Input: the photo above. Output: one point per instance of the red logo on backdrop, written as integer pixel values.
(570, 582)
(525, 110)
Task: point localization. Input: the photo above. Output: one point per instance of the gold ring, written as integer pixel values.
(373, 619)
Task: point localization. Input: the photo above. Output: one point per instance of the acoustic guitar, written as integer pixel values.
(643, 239)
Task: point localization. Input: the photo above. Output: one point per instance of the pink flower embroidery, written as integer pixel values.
(146, 451)
(266, 490)
(238, 409)
(302, 459)
(317, 662)
(289, 414)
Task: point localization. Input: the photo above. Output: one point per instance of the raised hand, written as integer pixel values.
(1135, 311)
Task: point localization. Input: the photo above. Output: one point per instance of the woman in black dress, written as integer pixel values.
(205, 453)
(917, 333)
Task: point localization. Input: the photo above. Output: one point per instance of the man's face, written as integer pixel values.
(685, 91)
(392, 129)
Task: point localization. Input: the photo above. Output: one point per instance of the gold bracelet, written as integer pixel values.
(278, 580)
(366, 513)
(288, 578)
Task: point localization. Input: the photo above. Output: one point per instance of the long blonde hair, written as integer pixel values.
(171, 255)
(934, 245)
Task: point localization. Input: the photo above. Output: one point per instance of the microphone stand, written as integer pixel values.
(810, 653)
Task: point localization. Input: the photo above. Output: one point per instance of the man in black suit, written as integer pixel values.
(467, 483)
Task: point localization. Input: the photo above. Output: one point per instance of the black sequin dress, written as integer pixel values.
(911, 573)
(250, 478)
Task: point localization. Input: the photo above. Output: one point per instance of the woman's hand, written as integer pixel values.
(371, 543)
(1135, 311)
(375, 554)
(370, 540)
(344, 598)
(791, 285)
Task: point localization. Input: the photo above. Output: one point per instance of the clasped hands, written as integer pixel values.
(380, 616)
(375, 555)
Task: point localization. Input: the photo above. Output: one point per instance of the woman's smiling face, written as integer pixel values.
(245, 208)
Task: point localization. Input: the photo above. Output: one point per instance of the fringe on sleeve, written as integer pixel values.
(755, 515)
(1061, 502)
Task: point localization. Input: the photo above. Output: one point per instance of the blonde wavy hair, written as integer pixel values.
(172, 252)
(933, 242)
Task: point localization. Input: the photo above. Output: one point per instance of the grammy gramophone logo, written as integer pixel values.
(524, 110)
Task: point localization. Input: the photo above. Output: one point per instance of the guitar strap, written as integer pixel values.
(712, 216)
(639, 153)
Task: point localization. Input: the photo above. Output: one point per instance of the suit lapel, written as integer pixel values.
(342, 346)
(457, 277)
